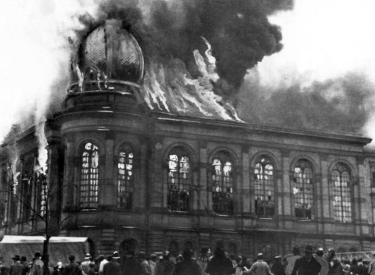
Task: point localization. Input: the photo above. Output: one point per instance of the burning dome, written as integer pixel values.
(109, 54)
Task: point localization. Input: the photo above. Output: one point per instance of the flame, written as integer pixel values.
(169, 87)
(42, 151)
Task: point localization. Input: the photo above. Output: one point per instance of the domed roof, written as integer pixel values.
(112, 52)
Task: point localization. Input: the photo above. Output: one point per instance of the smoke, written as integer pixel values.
(342, 104)
(239, 32)
(324, 77)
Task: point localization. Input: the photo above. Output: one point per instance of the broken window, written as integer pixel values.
(89, 176)
(342, 206)
(179, 180)
(303, 190)
(222, 184)
(264, 188)
(125, 177)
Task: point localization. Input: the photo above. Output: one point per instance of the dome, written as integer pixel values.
(110, 52)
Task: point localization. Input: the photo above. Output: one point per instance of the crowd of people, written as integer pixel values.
(220, 263)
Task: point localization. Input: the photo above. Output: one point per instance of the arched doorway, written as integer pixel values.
(128, 246)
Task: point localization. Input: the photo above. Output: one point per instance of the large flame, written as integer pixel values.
(170, 87)
(42, 151)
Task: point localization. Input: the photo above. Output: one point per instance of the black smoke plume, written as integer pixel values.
(238, 30)
(342, 104)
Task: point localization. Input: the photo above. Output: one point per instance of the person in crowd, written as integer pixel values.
(16, 267)
(145, 268)
(278, 267)
(86, 264)
(306, 265)
(203, 260)
(239, 268)
(59, 269)
(322, 261)
(103, 262)
(164, 266)
(72, 267)
(113, 266)
(371, 267)
(25, 265)
(260, 267)
(131, 264)
(37, 266)
(187, 266)
(92, 270)
(4, 269)
(362, 268)
(152, 263)
(335, 267)
(291, 259)
(346, 267)
(219, 264)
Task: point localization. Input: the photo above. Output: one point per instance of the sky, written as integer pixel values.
(323, 39)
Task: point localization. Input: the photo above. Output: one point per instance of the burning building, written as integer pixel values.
(150, 158)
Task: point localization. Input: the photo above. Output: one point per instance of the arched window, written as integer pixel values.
(264, 188)
(342, 206)
(222, 184)
(303, 190)
(125, 177)
(179, 179)
(89, 176)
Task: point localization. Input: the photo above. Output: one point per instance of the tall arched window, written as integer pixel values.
(89, 176)
(342, 206)
(125, 177)
(222, 184)
(303, 190)
(179, 180)
(264, 188)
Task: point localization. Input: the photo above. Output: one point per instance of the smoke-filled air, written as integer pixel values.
(302, 64)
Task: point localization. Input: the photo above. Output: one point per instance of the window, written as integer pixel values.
(89, 176)
(125, 177)
(342, 205)
(303, 190)
(178, 180)
(222, 184)
(264, 188)
(27, 182)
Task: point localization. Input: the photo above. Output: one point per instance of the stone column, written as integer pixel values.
(205, 200)
(157, 172)
(107, 182)
(247, 199)
(363, 189)
(142, 192)
(325, 203)
(71, 181)
(283, 181)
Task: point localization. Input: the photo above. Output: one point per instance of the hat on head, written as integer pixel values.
(115, 255)
(142, 255)
(23, 258)
(59, 264)
(278, 257)
(309, 249)
(87, 256)
(37, 254)
(16, 258)
(260, 256)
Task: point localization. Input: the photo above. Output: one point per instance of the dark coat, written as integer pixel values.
(16, 269)
(72, 269)
(305, 267)
(187, 267)
(220, 266)
(112, 268)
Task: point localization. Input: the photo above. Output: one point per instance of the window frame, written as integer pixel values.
(126, 183)
(94, 203)
(183, 190)
(304, 164)
(341, 168)
(271, 208)
(224, 183)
